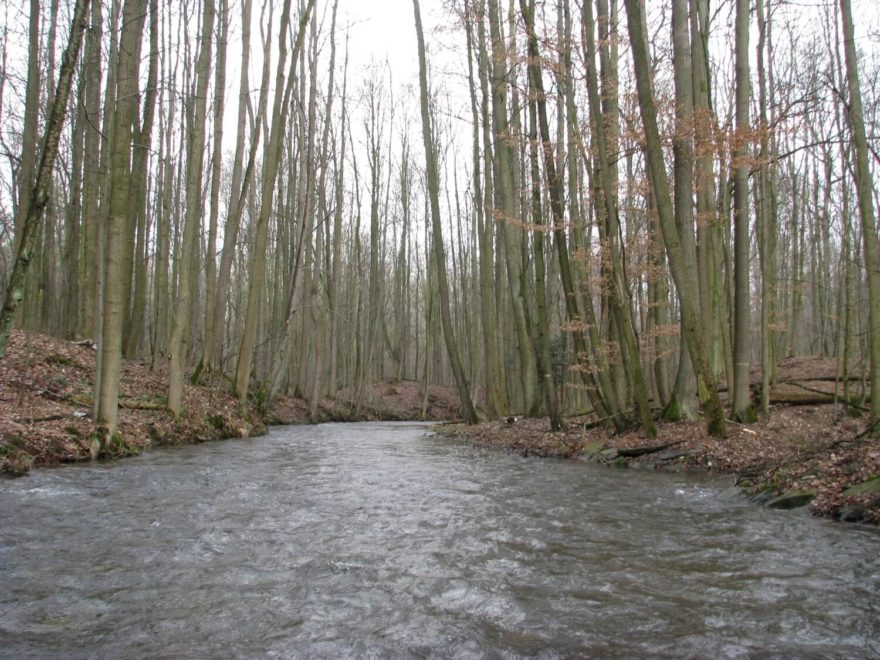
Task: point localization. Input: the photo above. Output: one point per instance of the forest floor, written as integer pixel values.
(805, 451)
(47, 385)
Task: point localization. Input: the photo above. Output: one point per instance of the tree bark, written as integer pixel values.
(39, 193)
(542, 325)
(618, 298)
(659, 183)
(114, 302)
(271, 162)
(209, 359)
(467, 407)
(683, 402)
(192, 217)
(865, 189)
(742, 314)
(505, 214)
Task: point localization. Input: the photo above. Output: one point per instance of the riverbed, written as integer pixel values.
(382, 540)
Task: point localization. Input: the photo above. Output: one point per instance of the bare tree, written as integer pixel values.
(865, 189)
(114, 302)
(433, 179)
(742, 313)
(660, 185)
(38, 193)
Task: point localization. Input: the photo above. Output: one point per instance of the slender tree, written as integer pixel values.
(659, 183)
(271, 163)
(742, 313)
(192, 217)
(865, 190)
(114, 302)
(433, 180)
(39, 193)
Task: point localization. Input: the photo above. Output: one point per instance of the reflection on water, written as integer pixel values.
(377, 540)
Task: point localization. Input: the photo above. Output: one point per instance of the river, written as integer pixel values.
(380, 540)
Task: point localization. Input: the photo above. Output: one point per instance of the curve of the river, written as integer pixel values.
(380, 540)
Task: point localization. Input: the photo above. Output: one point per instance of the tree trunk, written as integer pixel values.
(192, 217)
(742, 314)
(209, 354)
(865, 188)
(139, 201)
(39, 192)
(496, 385)
(271, 162)
(506, 214)
(114, 302)
(542, 325)
(683, 402)
(433, 180)
(91, 173)
(619, 298)
(241, 183)
(659, 183)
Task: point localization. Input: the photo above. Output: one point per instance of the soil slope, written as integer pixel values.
(46, 389)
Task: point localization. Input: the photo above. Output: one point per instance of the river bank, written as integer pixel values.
(806, 454)
(46, 389)
(796, 456)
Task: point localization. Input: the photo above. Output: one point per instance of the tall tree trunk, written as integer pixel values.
(333, 293)
(114, 279)
(506, 213)
(742, 313)
(139, 202)
(766, 208)
(619, 297)
(29, 147)
(708, 229)
(542, 325)
(865, 188)
(683, 402)
(659, 183)
(28, 164)
(209, 354)
(91, 173)
(271, 162)
(496, 385)
(73, 220)
(241, 182)
(433, 180)
(192, 217)
(592, 364)
(39, 192)
(299, 276)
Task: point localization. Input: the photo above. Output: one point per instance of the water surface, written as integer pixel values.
(378, 540)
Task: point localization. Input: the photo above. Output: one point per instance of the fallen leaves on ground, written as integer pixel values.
(46, 390)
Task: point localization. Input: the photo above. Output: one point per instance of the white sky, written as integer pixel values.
(380, 30)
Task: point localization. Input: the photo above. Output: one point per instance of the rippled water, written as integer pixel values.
(377, 540)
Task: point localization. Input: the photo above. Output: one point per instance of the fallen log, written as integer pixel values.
(37, 420)
(642, 451)
(129, 404)
(808, 398)
(815, 390)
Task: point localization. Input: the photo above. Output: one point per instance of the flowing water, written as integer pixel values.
(379, 540)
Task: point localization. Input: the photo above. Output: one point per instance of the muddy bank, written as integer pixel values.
(46, 389)
(796, 456)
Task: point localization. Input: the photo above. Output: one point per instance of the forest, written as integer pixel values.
(625, 208)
